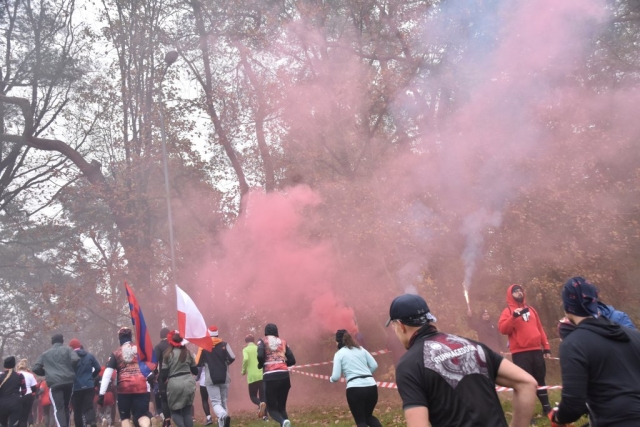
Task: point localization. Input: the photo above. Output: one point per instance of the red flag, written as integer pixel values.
(145, 347)
(191, 324)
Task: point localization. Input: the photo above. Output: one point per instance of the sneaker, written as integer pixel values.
(265, 418)
(208, 421)
(286, 423)
(227, 421)
(262, 410)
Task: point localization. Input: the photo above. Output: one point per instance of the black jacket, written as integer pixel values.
(600, 364)
(159, 350)
(217, 361)
(13, 388)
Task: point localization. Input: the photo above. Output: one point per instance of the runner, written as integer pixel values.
(178, 370)
(31, 388)
(216, 367)
(160, 395)
(58, 365)
(83, 388)
(358, 367)
(132, 386)
(274, 357)
(449, 380)
(12, 388)
(254, 376)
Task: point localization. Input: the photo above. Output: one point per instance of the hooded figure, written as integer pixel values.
(87, 370)
(600, 369)
(527, 340)
(274, 358)
(521, 323)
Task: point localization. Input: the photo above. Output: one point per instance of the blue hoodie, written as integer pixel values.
(616, 316)
(86, 370)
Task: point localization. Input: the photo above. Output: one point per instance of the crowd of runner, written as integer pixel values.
(443, 379)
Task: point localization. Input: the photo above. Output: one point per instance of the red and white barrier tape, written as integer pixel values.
(373, 353)
(387, 384)
(393, 385)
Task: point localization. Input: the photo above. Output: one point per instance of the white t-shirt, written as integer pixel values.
(29, 380)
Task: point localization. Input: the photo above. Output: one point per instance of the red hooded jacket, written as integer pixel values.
(525, 332)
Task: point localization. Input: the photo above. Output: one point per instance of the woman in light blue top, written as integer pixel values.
(357, 366)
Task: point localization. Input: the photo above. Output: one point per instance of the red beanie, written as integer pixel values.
(75, 343)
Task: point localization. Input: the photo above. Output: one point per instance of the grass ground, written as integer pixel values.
(389, 414)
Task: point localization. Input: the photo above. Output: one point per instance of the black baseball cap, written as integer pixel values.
(411, 310)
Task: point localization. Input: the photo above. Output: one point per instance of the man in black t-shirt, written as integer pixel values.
(447, 380)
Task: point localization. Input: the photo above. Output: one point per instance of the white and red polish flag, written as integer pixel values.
(191, 324)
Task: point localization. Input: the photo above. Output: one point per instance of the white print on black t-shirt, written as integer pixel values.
(453, 353)
(454, 357)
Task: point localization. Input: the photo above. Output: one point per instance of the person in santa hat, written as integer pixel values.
(216, 370)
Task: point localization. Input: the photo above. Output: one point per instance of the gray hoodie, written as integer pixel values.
(57, 365)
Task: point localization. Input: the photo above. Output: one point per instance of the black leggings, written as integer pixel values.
(533, 363)
(204, 396)
(256, 392)
(26, 402)
(82, 404)
(277, 392)
(166, 411)
(10, 411)
(362, 401)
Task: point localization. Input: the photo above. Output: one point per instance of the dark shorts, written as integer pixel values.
(133, 406)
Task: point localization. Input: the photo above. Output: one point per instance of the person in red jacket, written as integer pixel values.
(527, 340)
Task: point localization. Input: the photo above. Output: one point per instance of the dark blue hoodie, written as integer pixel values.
(86, 370)
(599, 362)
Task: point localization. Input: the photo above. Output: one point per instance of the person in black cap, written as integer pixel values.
(599, 363)
(160, 390)
(449, 380)
(12, 388)
(58, 366)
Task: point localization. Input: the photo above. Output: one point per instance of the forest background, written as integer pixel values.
(323, 156)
